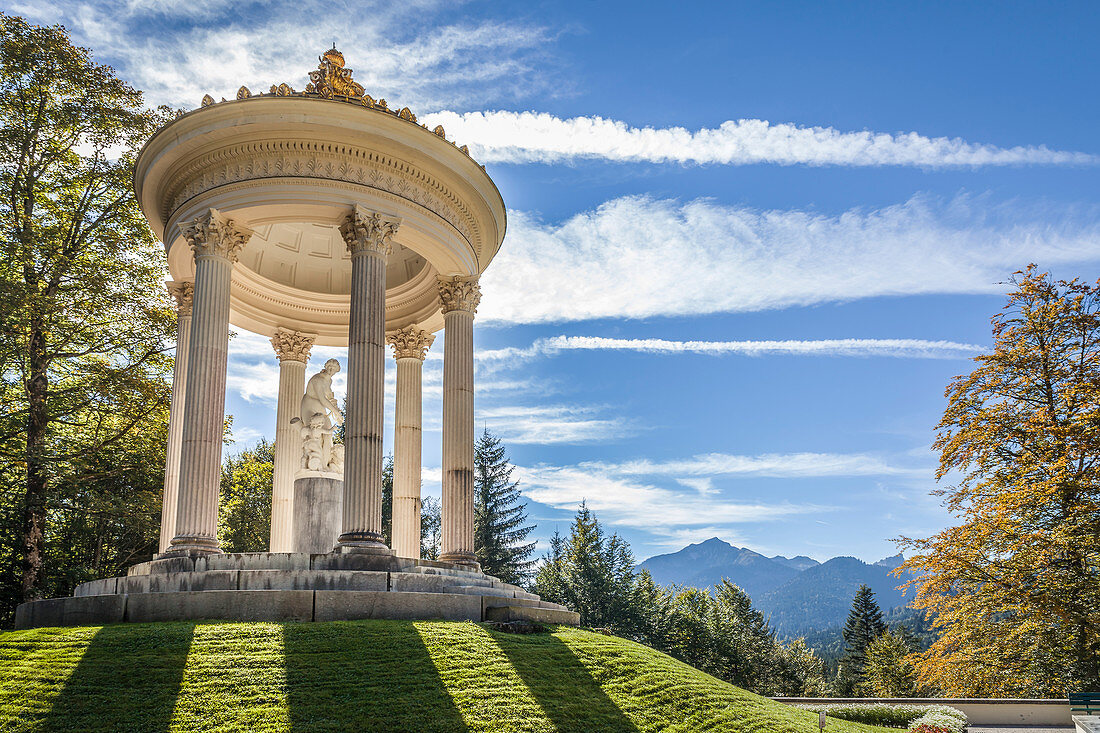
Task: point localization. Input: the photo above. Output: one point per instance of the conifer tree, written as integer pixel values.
(863, 626)
(500, 517)
(592, 573)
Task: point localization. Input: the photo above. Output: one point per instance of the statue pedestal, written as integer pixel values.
(318, 511)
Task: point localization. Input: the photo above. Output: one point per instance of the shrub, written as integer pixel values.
(898, 715)
(938, 721)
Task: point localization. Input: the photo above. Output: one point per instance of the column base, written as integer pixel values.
(191, 545)
(356, 543)
(466, 559)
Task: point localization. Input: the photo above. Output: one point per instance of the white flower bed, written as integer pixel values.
(899, 715)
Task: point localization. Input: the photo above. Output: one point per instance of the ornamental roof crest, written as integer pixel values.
(331, 78)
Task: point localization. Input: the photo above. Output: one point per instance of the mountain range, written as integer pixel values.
(798, 594)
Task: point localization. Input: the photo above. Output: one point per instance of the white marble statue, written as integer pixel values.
(319, 412)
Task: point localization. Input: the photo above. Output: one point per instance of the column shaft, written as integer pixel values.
(407, 451)
(183, 293)
(362, 524)
(216, 242)
(204, 409)
(458, 438)
(288, 453)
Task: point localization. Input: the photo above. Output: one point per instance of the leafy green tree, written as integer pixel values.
(500, 517)
(863, 626)
(85, 316)
(1013, 586)
(387, 501)
(431, 528)
(244, 505)
(889, 671)
(804, 671)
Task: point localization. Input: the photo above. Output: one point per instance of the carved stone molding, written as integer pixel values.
(329, 161)
(369, 231)
(292, 345)
(410, 342)
(184, 293)
(458, 293)
(213, 234)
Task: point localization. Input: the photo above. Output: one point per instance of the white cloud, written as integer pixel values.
(526, 137)
(177, 52)
(909, 348)
(633, 503)
(638, 493)
(552, 424)
(773, 465)
(637, 257)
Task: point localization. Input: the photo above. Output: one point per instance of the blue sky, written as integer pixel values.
(749, 243)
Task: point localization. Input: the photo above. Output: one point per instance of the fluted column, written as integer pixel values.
(216, 242)
(459, 296)
(367, 235)
(292, 349)
(183, 292)
(410, 346)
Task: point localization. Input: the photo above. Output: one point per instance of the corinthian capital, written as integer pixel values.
(184, 293)
(458, 293)
(410, 342)
(213, 234)
(292, 345)
(369, 231)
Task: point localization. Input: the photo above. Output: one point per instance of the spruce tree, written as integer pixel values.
(863, 626)
(500, 517)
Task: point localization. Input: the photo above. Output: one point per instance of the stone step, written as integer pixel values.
(479, 590)
(531, 613)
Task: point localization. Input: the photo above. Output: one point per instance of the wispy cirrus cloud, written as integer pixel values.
(535, 137)
(701, 257)
(551, 424)
(897, 348)
(643, 505)
(677, 498)
(408, 52)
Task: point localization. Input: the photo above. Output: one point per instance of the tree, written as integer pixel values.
(888, 670)
(387, 501)
(244, 504)
(1013, 587)
(592, 573)
(85, 315)
(500, 517)
(431, 528)
(863, 626)
(805, 671)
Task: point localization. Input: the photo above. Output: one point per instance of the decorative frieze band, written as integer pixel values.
(309, 159)
(184, 293)
(214, 234)
(410, 342)
(292, 345)
(458, 293)
(369, 231)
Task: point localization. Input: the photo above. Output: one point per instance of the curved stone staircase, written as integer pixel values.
(293, 587)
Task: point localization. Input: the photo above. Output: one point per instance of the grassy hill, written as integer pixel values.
(363, 676)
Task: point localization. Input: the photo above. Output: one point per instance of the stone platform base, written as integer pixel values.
(292, 587)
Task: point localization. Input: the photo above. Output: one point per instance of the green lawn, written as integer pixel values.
(363, 676)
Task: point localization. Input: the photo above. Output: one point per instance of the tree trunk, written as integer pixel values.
(34, 511)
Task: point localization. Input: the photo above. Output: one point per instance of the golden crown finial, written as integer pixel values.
(333, 56)
(331, 78)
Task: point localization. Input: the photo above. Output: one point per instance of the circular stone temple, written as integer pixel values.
(315, 217)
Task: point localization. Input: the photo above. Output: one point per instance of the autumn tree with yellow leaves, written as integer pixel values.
(1015, 587)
